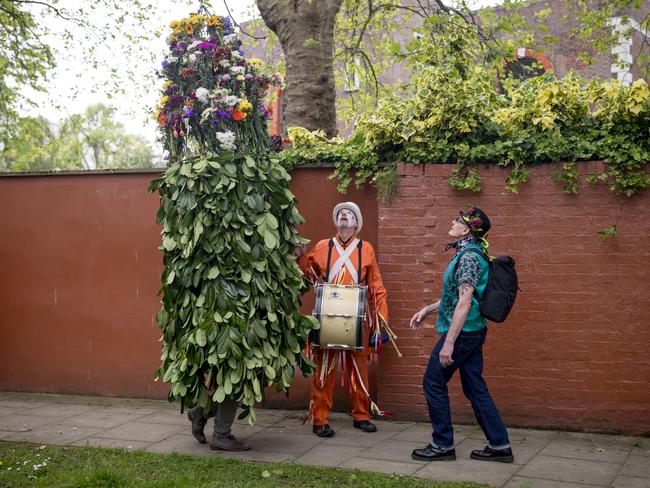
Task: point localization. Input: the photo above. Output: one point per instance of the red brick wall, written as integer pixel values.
(574, 352)
(81, 271)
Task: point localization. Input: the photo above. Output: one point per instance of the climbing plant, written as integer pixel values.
(231, 289)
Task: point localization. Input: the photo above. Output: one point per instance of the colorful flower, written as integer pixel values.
(238, 115)
(202, 94)
(226, 140)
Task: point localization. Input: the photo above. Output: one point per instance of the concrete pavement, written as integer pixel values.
(543, 459)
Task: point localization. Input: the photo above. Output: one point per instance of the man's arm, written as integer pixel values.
(465, 291)
(376, 284)
(423, 314)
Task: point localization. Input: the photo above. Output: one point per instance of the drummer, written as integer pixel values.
(337, 261)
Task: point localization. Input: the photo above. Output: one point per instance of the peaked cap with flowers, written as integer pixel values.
(476, 220)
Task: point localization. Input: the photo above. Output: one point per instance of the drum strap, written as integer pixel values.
(344, 259)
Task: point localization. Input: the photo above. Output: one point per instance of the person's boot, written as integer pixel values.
(195, 415)
(364, 425)
(323, 430)
(489, 454)
(229, 443)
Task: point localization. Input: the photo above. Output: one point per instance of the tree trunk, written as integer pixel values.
(305, 29)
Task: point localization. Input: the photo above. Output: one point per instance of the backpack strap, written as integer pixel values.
(330, 245)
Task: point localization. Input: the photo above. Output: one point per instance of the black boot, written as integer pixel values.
(430, 453)
(195, 415)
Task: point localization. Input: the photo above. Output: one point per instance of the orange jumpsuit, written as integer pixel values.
(314, 265)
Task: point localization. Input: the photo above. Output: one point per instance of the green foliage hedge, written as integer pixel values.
(459, 112)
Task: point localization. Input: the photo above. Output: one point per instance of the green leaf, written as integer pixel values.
(201, 338)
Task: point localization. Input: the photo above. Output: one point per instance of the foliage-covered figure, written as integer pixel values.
(230, 319)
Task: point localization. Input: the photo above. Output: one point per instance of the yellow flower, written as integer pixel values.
(168, 83)
(255, 62)
(189, 28)
(240, 77)
(214, 21)
(174, 24)
(163, 100)
(172, 37)
(245, 106)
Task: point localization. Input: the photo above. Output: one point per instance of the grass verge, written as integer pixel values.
(84, 467)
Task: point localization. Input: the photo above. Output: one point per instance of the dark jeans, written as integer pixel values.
(468, 358)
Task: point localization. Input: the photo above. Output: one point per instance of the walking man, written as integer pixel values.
(462, 332)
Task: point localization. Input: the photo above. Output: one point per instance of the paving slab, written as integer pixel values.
(630, 482)
(571, 470)
(329, 455)
(638, 466)
(495, 474)
(589, 449)
(349, 436)
(103, 418)
(523, 482)
(390, 451)
(24, 423)
(285, 442)
(58, 434)
(140, 431)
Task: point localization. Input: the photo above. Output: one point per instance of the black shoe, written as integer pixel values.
(195, 415)
(430, 453)
(365, 425)
(323, 430)
(489, 454)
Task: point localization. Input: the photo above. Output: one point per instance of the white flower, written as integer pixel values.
(236, 55)
(231, 40)
(231, 100)
(192, 58)
(224, 63)
(202, 94)
(237, 70)
(227, 140)
(193, 45)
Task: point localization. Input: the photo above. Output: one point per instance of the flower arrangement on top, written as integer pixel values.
(211, 91)
(230, 319)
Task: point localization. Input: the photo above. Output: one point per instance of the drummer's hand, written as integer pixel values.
(419, 317)
(299, 251)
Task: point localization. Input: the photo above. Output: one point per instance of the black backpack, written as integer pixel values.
(501, 290)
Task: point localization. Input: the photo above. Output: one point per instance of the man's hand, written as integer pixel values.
(445, 354)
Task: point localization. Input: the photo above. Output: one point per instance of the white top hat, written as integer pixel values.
(352, 207)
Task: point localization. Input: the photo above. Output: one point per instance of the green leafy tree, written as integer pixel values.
(92, 140)
(34, 35)
(231, 290)
(33, 147)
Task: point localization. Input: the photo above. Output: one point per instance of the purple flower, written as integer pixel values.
(249, 77)
(222, 114)
(181, 46)
(215, 122)
(226, 77)
(206, 46)
(165, 64)
(189, 112)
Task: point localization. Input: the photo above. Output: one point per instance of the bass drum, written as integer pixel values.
(341, 313)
